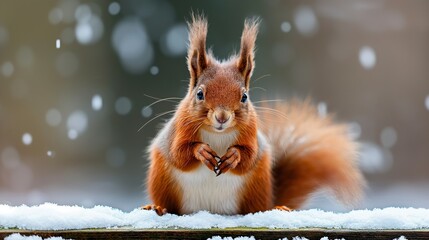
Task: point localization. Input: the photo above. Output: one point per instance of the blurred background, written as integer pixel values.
(76, 78)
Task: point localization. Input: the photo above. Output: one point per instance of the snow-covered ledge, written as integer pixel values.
(48, 217)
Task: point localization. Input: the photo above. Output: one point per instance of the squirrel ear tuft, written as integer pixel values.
(197, 56)
(246, 62)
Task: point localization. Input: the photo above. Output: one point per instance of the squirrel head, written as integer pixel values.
(218, 90)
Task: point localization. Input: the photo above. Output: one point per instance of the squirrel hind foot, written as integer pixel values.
(152, 207)
(283, 208)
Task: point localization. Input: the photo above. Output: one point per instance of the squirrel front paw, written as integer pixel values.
(206, 155)
(229, 161)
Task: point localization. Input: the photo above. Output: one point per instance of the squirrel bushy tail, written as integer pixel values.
(310, 152)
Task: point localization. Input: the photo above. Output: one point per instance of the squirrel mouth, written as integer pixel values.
(220, 128)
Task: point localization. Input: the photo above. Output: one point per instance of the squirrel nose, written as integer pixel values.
(222, 118)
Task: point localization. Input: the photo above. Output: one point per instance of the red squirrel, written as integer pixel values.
(222, 154)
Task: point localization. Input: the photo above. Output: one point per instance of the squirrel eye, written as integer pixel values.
(200, 95)
(244, 98)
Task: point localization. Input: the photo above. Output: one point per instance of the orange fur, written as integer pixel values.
(258, 192)
(161, 187)
(215, 135)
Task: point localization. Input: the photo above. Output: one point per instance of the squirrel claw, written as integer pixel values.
(216, 168)
(217, 171)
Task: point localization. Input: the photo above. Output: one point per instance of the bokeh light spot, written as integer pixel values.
(53, 117)
(10, 158)
(175, 40)
(123, 105)
(306, 21)
(286, 27)
(131, 43)
(77, 121)
(373, 158)
(27, 139)
(427, 102)
(72, 134)
(7, 69)
(147, 112)
(97, 102)
(388, 137)
(55, 16)
(114, 8)
(154, 70)
(367, 57)
(89, 28)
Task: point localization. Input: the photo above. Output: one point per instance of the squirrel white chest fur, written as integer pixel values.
(219, 142)
(203, 190)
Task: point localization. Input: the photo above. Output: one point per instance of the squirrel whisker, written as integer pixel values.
(157, 116)
(261, 77)
(270, 110)
(269, 100)
(259, 88)
(169, 99)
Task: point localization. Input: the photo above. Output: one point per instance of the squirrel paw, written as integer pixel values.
(206, 155)
(229, 161)
(283, 208)
(159, 210)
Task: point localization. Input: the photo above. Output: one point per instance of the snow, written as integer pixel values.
(17, 236)
(400, 238)
(231, 238)
(49, 216)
